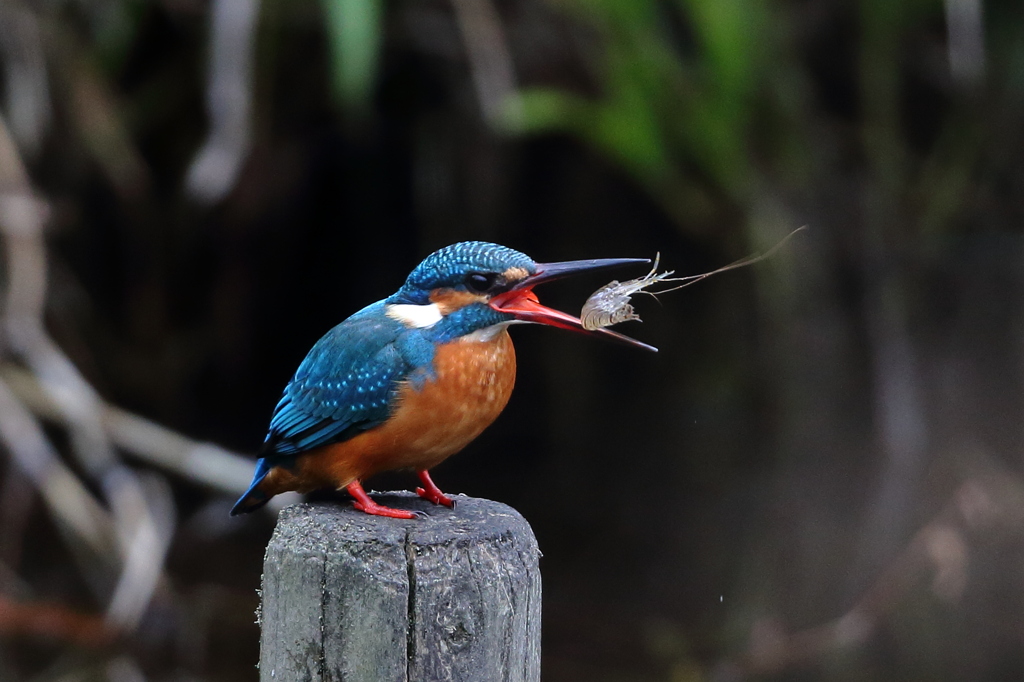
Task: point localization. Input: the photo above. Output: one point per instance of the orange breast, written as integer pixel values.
(474, 380)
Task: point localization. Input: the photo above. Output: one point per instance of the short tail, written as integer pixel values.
(254, 498)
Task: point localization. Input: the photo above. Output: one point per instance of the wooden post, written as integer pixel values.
(352, 597)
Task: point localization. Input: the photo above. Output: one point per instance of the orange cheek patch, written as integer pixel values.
(450, 300)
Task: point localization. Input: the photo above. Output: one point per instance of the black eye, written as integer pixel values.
(480, 282)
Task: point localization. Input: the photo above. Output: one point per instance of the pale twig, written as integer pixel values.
(26, 84)
(142, 518)
(965, 44)
(146, 521)
(229, 94)
(901, 416)
(68, 500)
(490, 61)
(203, 463)
(21, 224)
(84, 523)
(982, 507)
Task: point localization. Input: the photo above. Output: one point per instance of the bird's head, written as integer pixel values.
(478, 285)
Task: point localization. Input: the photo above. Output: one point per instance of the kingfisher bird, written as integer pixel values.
(410, 380)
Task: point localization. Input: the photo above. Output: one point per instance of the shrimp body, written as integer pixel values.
(610, 304)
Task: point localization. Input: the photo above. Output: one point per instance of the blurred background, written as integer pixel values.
(819, 477)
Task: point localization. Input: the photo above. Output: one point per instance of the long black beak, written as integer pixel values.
(523, 303)
(547, 272)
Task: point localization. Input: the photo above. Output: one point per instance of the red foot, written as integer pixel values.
(431, 492)
(363, 503)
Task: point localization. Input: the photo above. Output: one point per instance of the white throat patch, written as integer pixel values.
(412, 315)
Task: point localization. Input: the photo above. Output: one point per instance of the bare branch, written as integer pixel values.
(68, 500)
(490, 61)
(26, 86)
(228, 100)
(965, 28)
(146, 520)
(141, 549)
(982, 507)
(204, 463)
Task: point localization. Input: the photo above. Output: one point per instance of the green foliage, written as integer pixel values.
(718, 100)
(115, 29)
(354, 29)
(666, 113)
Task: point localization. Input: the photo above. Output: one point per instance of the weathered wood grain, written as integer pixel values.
(351, 597)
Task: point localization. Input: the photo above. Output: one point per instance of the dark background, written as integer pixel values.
(819, 475)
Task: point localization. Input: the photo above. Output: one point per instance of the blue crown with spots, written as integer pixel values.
(449, 266)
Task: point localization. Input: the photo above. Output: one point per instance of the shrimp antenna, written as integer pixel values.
(741, 263)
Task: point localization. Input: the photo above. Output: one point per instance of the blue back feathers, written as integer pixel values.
(342, 387)
(349, 379)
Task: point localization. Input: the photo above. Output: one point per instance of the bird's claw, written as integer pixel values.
(380, 510)
(436, 496)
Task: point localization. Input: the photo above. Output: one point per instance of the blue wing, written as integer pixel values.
(346, 384)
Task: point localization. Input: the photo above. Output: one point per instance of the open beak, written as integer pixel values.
(523, 303)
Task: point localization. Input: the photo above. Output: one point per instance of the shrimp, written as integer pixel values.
(610, 304)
